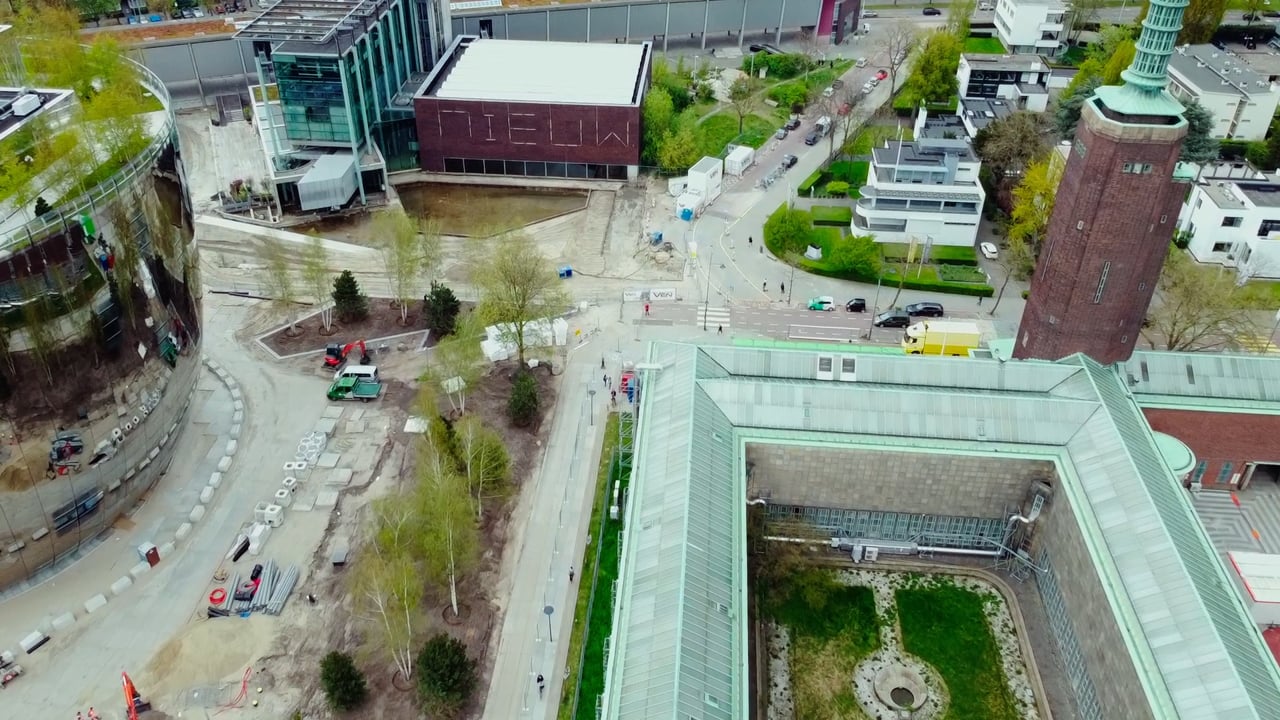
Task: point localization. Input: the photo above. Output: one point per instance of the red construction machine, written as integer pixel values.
(335, 355)
(133, 702)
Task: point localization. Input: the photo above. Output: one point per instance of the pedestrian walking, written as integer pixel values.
(605, 380)
(782, 288)
(542, 684)
(719, 329)
(79, 715)
(979, 301)
(602, 357)
(764, 286)
(570, 573)
(93, 714)
(761, 248)
(646, 312)
(613, 397)
(750, 240)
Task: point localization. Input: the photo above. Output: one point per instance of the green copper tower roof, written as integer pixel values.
(1147, 76)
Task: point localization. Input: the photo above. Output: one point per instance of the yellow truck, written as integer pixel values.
(941, 337)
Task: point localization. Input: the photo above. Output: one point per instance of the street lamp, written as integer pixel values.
(706, 290)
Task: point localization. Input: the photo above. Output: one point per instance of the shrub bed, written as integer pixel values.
(832, 215)
(941, 254)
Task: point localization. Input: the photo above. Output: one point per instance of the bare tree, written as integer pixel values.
(450, 537)
(485, 457)
(387, 589)
(455, 361)
(518, 287)
(124, 271)
(744, 98)
(318, 279)
(277, 275)
(1082, 13)
(1197, 308)
(409, 251)
(898, 42)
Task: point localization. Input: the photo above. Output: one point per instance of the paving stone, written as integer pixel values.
(339, 477)
(355, 427)
(328, 460)
(326, 498)
(327, 426)
(333, 411)
(356, 414)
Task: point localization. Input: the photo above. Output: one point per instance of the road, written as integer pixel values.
(913, 9)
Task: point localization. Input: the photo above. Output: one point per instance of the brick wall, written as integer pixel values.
(1109, 667)
(1221, 438)
(957, 485)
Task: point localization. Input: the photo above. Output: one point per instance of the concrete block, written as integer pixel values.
(224, 464)
(326, 426)
(155, 451)
(206, 495)
(113, 485)
(333, 412)
(39, 534)
(355, 427)
(232, 446)
(211, 364)
(129, 475)
(173, 427)
(356, 414)
(326, 498)
(35, 640)
(139, 570)
(237, 405)
(338, 477)
(64, 621)
(121, 585)
(197, 513)
(235, 391)
(143, 465)
(95, 603)
(328, 460)
(235, 432)
(215, 479)
(166, 550)
(237, 417)
(183, 531)
(164, 440)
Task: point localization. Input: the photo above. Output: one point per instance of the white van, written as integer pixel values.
(862, 62)
(364, 372)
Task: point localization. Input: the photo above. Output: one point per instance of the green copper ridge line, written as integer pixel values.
(1148, 72)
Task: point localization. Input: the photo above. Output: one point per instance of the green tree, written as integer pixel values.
(959, 15)
(387, 588)
(455, 361)
(1008, 145)
(518, 287)
(95, 9)
(1199, 21)
(1199, 146)
(42, 206)
(1196, 308)
(523, 405)
(1071, 103)
(343, 683)
(350, 304)
(658, 115)
(441, 307)
(409, 250)
(857, 255)
(277, 275)
(743, 97)
(446, 675)
(679, 149)
(1119, 61)
(1080, 14)
(317, 278)
(1033, 201)
(788, 231)
(483, 458)
(933, 79)
(450, 537)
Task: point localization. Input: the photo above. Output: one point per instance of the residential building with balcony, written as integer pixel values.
(926, 190)
(1241, 99)
(1232, 218)
(1032, 27)
(1020, 80)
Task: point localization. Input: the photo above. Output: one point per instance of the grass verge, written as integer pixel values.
(595, 629)
(721, 129)
(984, 45)
(944, 625)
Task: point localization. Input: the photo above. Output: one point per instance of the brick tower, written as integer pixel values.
(1115, 211)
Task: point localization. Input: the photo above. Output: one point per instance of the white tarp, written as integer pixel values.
(499, 342)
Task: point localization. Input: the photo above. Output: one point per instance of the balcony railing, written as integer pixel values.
(69, 212)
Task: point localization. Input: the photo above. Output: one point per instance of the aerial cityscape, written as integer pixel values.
(697, 359)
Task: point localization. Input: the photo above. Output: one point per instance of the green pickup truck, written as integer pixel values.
(354, 388)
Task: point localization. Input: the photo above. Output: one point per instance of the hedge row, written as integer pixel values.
(940, 254)
(809, 182)
(832, 215)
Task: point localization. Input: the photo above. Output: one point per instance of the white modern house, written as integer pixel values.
(1032, 27)
(1241, 99)
(1233, 218)
(1020, 80)
(927, 190)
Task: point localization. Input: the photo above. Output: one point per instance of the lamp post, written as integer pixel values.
(591, 411)
(548, 610)
(706, 290)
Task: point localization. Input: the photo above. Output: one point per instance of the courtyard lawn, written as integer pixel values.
(832, 626)
(721, 129)
(984, 45)
(944, 625)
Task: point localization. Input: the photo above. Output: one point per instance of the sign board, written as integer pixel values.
(632, 295)
(662, 294)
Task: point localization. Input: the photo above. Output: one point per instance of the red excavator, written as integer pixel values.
(335, 355)
(133, 702)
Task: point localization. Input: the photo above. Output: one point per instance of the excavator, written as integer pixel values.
(335, 355)
(134, 706)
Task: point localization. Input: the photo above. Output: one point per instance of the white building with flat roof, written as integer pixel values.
(926, 190)
(1242, 100)
(1020, 80)
(1232, 218)
(1032, 27)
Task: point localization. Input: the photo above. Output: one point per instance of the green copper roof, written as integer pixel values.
(1147, 76)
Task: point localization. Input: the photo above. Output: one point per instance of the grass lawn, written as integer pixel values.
(944, 626)
(873, 136)
(835, 215)
(1258, 294)
(984, 45)
(603, 553)
(721, 129)
(833, 626)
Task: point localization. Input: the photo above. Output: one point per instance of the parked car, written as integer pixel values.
(873, 82)
(893, 319)
(882, 74)
(793, 123)
(1271, 14)
(866, 89)
(1251, 17)
(986, 7)
(862, 62)
(812, 138)
(989, 250)
(789, 161)
(828, 92)
(837, 83)
(781, 134)
(870, 14)
(925, 309)
(823, 303)
(766, 48)
(932, 11)
(856, 305)
(844, 109)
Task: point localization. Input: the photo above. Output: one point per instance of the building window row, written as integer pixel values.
(532, 168)
(1137, 168)
(1232, 221)
(1266, 227)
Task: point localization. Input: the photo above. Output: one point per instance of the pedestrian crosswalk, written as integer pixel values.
(1258, 344)
(713, 318)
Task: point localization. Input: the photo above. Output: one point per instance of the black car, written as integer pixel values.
(793, 124)
(837, 84)
(789, 161)
(811, 138)
(932, 11)
(925, 309)
(1271, 13)
(765, 48)
(893, 319)
(1251, 17)
(856, 305)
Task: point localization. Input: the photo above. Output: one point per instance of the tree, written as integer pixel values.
(483, 458)
(959, 15)
(124, 271)
(42, 206)
(1071, 104)
(350, 304)
(933, 78)
(278, 275)
(1253, 10)
(317, 278)
(743, 97)
(342, 681)
(1200, 20)
(788, 231)
(523, 405)
(96, 8)
(1199, 146)
(1033, 201)
(898, 42)
(659, 115)
(440, 306)
(449, 536)
(405, 255)
(679, 149)
(518, 287)
(446, 675)
(1009, 144)
(387, 589)
(858, 256)
(1081, 14)
(455, 362)
(1196, 308)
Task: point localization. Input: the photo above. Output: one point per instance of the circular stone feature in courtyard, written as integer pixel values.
(899, 686)
(890, 684)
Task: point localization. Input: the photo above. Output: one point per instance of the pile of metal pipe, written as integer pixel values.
(281, 590)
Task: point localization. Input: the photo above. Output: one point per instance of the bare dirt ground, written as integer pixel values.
(383, 321)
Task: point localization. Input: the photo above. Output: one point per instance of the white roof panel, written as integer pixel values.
(1260, 573)
(538, 72)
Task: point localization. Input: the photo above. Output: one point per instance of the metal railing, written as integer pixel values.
(67, 212)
